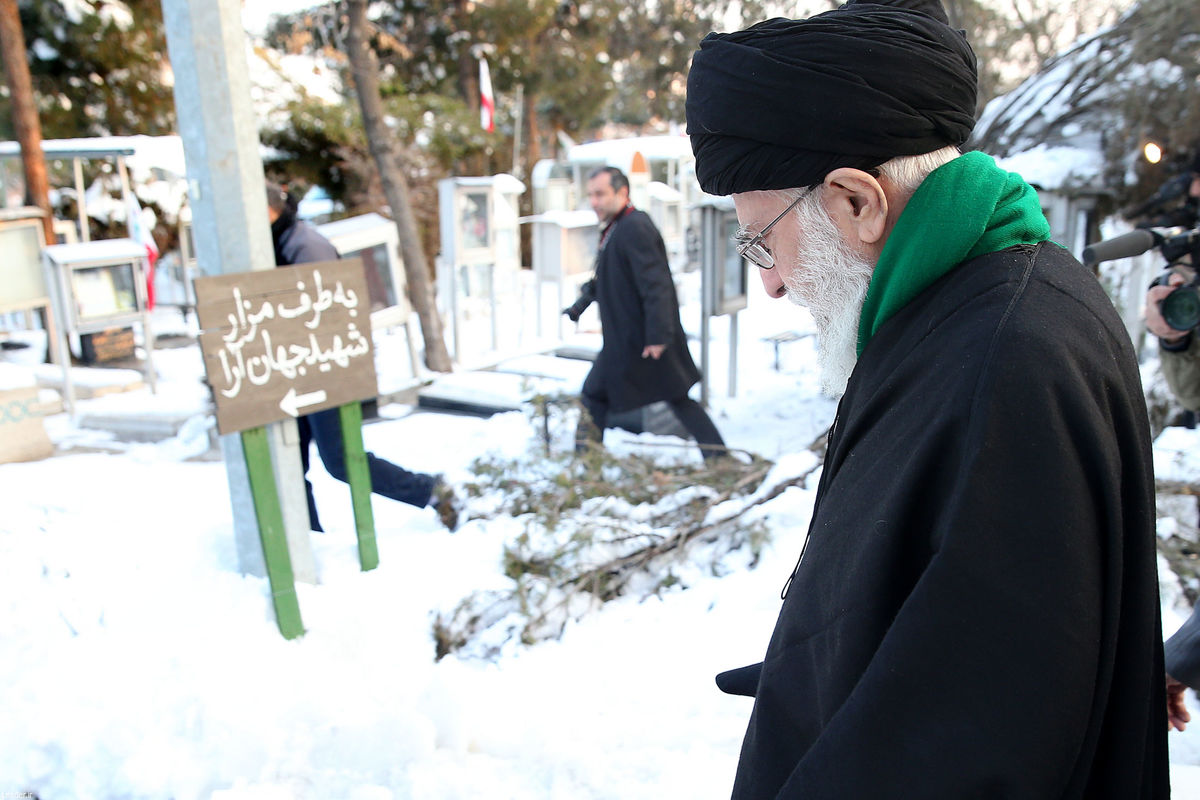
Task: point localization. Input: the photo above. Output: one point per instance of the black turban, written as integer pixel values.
(783, 103)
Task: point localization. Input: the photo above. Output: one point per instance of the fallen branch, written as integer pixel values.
(1176, 487)
(570, 561)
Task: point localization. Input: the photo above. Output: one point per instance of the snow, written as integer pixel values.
(76, 10)
(1055, 167)
(135, 660)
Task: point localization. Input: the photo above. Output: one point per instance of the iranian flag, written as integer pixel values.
(487, 102)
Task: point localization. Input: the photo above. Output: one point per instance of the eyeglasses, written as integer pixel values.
(750, 246)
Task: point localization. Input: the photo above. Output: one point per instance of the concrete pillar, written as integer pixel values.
(207, 45)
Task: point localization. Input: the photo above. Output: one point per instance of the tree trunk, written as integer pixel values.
(468, 69)
(533, 138)
(365, 69)
(24, 111)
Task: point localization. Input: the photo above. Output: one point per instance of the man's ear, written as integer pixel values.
(857, 204)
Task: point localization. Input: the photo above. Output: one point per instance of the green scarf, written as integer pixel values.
(966, 208)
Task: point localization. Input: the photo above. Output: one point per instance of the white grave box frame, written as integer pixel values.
(23, 283)
(96, 286)
(373, 238)
(103, 283)
(479, 269)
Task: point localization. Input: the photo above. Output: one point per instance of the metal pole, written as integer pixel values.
(707, 253)
(492, 304)
(219, 128)
(126, 191)
(85, 235)
(518, 113)
(147, 325)
(56, 284)
(733, 346)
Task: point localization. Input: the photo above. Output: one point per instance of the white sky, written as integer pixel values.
(256, 14)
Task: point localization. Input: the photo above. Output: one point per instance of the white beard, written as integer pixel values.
(830, 280)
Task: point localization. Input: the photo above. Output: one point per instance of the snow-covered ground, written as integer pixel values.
(136, 662)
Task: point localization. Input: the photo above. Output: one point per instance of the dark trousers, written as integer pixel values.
(387, 479)
(690, 414)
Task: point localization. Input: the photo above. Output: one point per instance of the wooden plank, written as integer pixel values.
(272, 534)
(358, 475)
(285, 342)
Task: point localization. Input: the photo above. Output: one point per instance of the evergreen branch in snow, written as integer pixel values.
(599, 527)
(1176, 487)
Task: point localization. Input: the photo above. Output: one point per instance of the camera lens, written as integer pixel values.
(1181, 308)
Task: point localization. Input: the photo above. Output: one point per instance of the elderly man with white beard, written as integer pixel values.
(974, 612)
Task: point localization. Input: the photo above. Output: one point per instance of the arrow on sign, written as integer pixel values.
(292, 402)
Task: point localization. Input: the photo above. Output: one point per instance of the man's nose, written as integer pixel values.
(772, 283)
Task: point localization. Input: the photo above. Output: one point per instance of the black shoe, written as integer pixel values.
(588, 434)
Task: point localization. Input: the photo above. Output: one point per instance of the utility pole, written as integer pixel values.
(227, 194)
(24, 112)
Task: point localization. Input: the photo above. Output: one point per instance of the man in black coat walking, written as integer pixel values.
(644, 357)
(974, 612)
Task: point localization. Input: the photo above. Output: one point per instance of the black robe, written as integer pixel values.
(976, 613)
(638, 307)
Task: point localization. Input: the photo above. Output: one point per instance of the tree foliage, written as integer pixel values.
(1012, 39)
(579, 65)
(1136, 81)
(100, 73)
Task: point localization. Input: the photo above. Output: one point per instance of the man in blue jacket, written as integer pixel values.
(297, 242)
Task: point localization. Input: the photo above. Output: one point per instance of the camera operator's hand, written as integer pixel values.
(1154, 318)
(1177, 712)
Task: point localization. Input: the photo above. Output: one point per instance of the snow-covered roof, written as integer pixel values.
(622, 150)
(661, 191)
(1078, 123)
(99, 251)
(503, 182)
(1051, 167)
(143, 152)
(567, 219)
(358, 224)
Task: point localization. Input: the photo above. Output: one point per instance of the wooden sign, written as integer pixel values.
(286, 342)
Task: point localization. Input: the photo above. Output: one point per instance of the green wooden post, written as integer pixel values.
(271, 531)
(358, 475)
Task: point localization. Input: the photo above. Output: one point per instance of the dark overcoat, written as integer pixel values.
(638, 307)
(975, 613)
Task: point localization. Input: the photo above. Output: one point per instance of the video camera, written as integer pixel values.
(1169, 195)
(1181, 308)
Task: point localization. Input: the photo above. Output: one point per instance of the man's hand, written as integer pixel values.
(654, 351)
(1177, 713)
(1154, 319)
